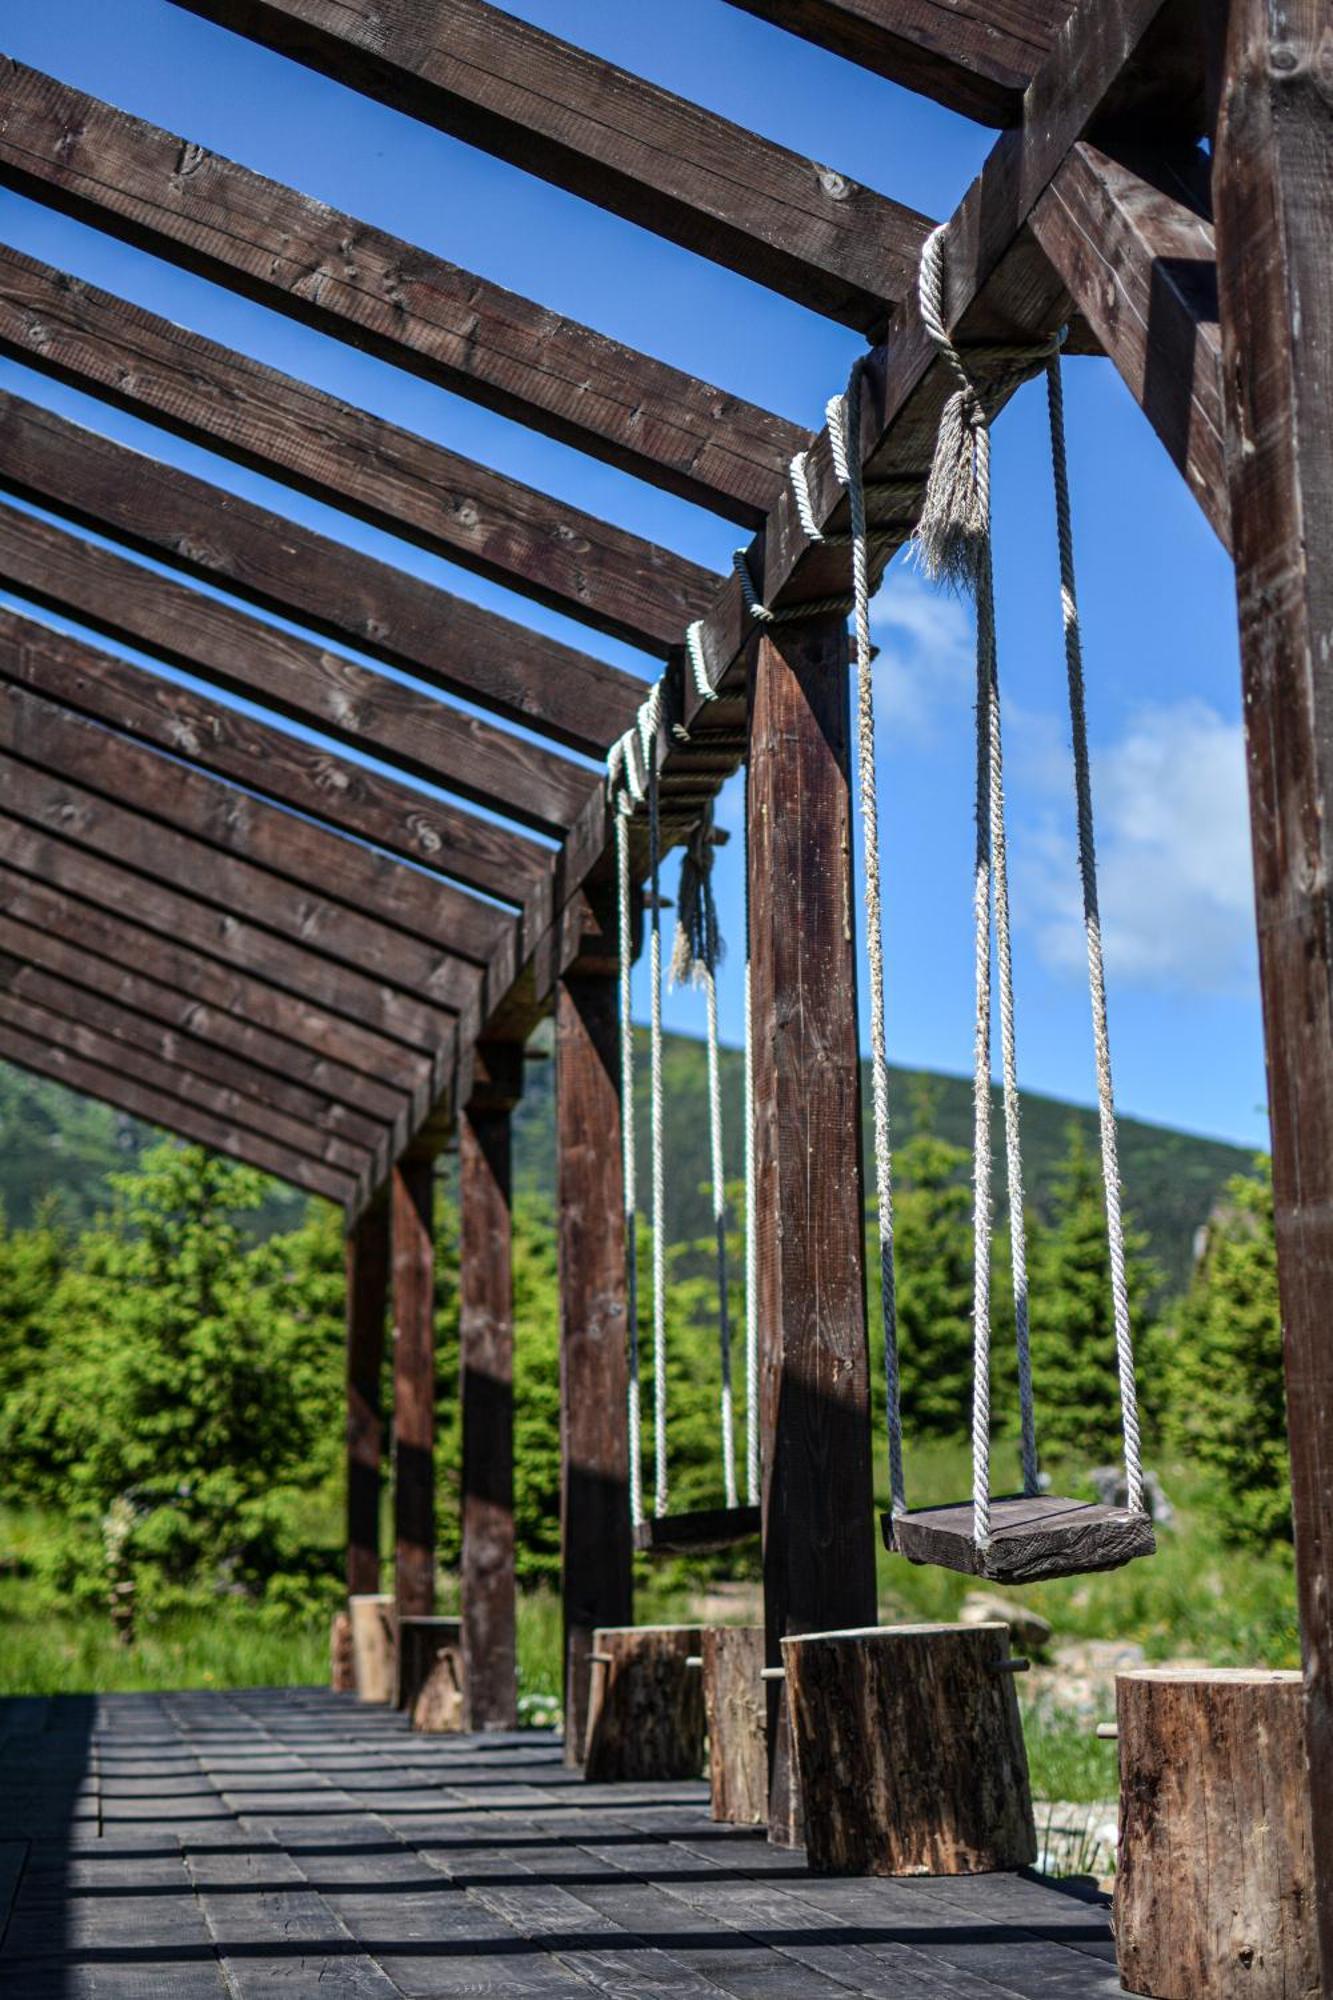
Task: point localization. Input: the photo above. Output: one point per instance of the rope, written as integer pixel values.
(790, 614)
(1087, 861)
(844, 413)
(752, 1468)
(660, 1489)
(629, 1169)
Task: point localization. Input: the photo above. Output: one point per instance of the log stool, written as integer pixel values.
(342, 1660)
(430, 1674)
(910, 1751)
(1215, 1891)
(645, 1704)
(374, 1648)
(734, 1705)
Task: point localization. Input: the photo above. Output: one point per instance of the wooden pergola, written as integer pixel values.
(328, 971)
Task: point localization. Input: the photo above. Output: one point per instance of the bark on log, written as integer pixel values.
(374, 1646)
(430, 1672)
(1215, 1893)
(342, 1659)
(735, 1703)
(646, 1705)
(909, 1750)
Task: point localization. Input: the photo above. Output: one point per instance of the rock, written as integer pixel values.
(1031, 1632)
(1108, 1483)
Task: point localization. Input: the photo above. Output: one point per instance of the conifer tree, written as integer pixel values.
(933, 1263)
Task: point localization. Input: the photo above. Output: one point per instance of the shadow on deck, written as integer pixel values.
(266, 1842)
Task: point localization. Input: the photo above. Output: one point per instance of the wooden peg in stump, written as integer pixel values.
(910, 1750)
(735, 1705)
(430, 1674)
(374, 1646)
(1215, 1893)
(645, 1706)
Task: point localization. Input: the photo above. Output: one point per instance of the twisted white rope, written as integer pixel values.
(629, 1165)
(843, 415)
(660, 1483)
(1087, 860)
(752, 1469)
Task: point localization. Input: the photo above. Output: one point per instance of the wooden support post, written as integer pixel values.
(735, 1701)
(486, 1387)
(367, 1254)
(911, 1750)
(411, 1195)
(1273, 205)
(819, 1556)
(594, 1451)
(1215, 1890)
(645, 1706)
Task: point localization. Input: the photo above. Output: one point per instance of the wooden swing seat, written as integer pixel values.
(697, 1533)
(1032, 1538)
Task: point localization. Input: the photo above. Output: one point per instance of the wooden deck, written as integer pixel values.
(286, 1842)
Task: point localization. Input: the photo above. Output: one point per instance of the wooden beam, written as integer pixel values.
(343, 796)
(486, 1388)
(595, 1552)
(346, 457)
(358, 283)
(110, 1085)
(411, 1194)
(397, 724)
(211, 840)
(367, 1263)
(554, 110)
(818, 1497)
(975, 58)
(1138, 261)
(281, 566)
(1273, 200)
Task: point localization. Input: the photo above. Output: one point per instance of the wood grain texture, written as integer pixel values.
(646, 1706)
(1215, 1893)
(347, 457)
(1273, 203)
(374, 1645)
(1031, 1539)
(367, 1259)
(421, 1641)
(282, 566)
(360, 284)
(412, 1191)
(790, 223)
(400, 725)
(342, 1660)
(1139, 263)
(735, 1706)
(818, 1508)
(910, 1750)
(707, 1528)
(595, 1551)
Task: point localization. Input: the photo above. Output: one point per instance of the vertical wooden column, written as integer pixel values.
(367, 1261)
(486, 1388)
(594, 1451)
(1273, 204)
(818, 1502)
(414, 1388)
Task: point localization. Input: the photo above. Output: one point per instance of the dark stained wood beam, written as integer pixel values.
(109, 1084)
(358, 283)
(397, 724)
(970, 55)
(1138, 260)
(280, 566)
(367, 1264)
(348, 458)
(467, 68)
(1273, 201)
(412, 1192)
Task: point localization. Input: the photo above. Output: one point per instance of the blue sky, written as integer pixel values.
(1156, 588)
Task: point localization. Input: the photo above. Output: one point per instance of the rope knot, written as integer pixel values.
(698, 949)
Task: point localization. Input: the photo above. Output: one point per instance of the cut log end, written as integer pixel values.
(1032, 1538)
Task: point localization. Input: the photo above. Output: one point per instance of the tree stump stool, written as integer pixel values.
(909, 1750)
(430, 1674)
(735, 1701)
(1215, 1891)
(374, 1646)
(342, 1660)
(645, 1704)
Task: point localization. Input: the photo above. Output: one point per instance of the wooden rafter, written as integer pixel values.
(348, 458)
(360, 284)
(274, 562)
(554, 110)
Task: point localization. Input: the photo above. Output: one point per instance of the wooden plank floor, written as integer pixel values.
(287, 1842)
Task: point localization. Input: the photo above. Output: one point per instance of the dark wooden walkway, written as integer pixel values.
(288, 1843)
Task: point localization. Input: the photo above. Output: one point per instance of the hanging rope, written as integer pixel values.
(1087, 861)
(629, 1166)
(752, 1476)
(660, 1483)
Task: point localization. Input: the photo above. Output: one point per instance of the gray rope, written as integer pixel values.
(660, 1483)
(752, 1468)
(1087, 861)
(629, 1168)
(791, 614)
(844, 428)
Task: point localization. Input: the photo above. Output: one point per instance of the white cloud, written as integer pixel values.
(1173, 850)
(927, 652)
